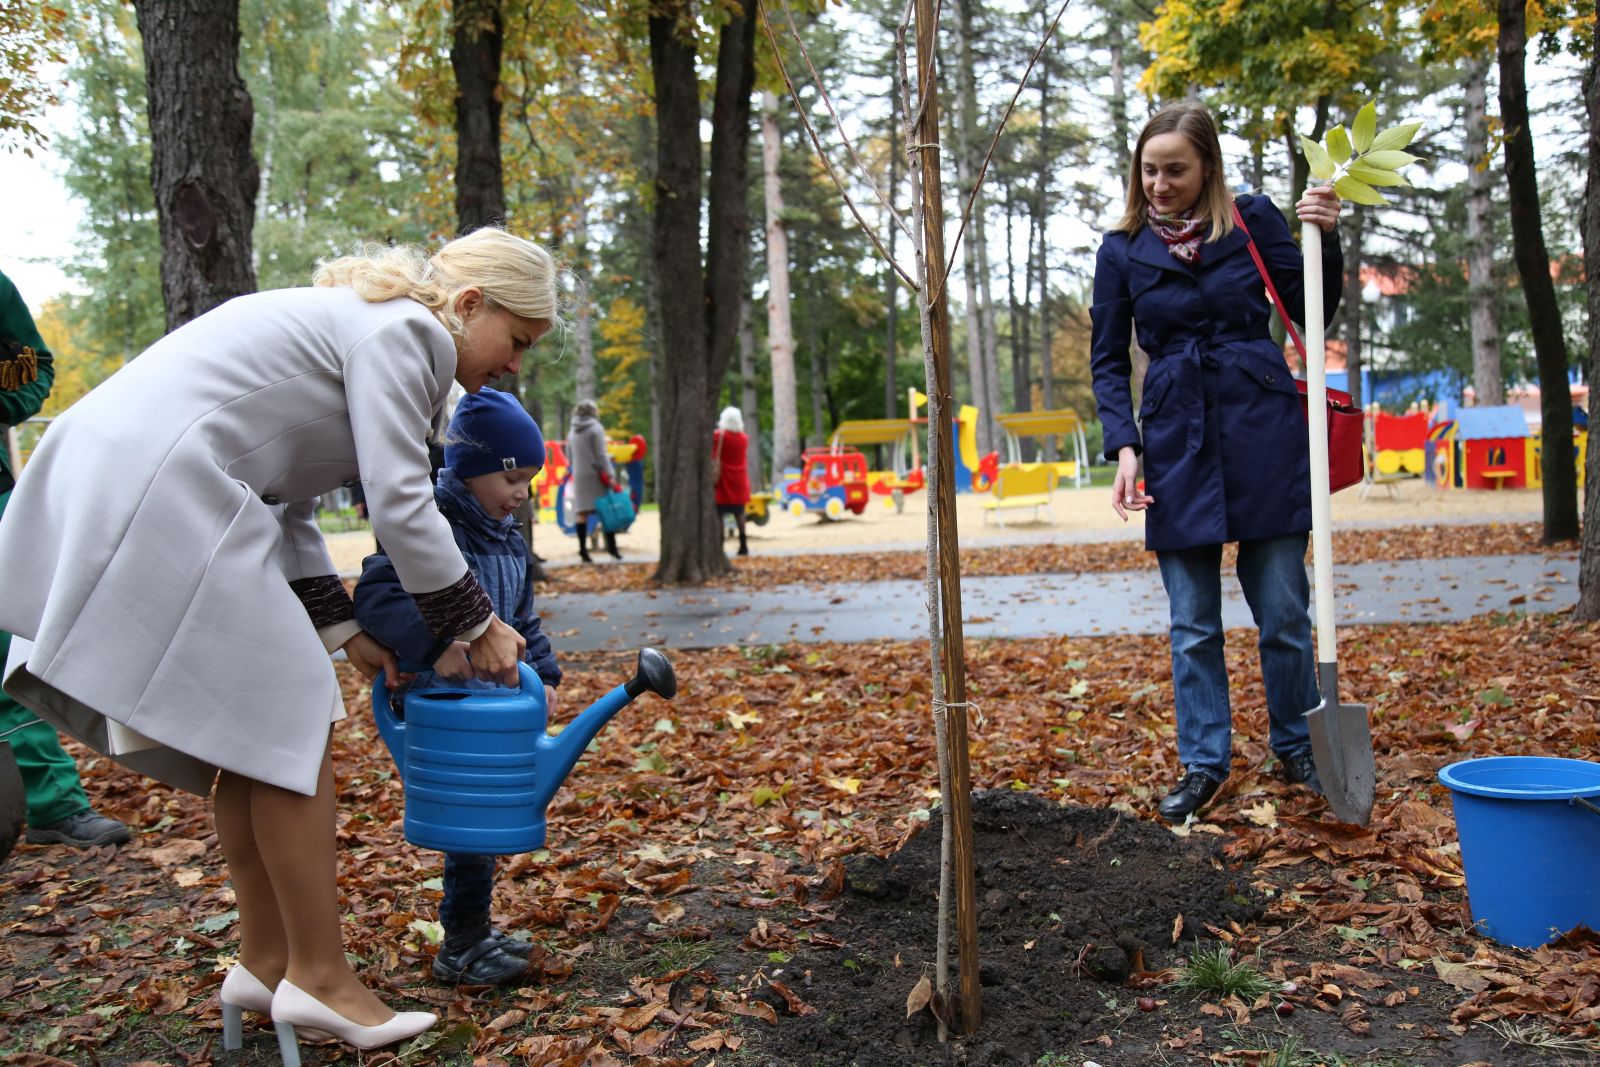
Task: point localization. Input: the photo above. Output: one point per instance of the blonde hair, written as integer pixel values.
(511, 272)
(1194, 122)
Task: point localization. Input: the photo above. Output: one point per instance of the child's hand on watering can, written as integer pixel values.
(368, 656)
(550, 701)
(496, 652)
(454, 664)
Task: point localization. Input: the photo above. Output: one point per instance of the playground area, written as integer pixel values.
(1080, 515)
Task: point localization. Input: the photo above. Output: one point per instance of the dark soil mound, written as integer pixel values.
(1071, 902)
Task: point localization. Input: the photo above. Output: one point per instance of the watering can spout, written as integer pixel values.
(558, 753)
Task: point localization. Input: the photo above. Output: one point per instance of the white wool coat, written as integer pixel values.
(151, 539)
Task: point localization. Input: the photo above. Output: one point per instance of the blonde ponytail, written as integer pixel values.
(511, 272)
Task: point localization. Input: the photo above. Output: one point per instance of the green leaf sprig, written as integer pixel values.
(1357, 160)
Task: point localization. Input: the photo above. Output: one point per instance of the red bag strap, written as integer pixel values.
(1277, 302)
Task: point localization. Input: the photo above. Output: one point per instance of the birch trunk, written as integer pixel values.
(1487, 380)
(780, 332)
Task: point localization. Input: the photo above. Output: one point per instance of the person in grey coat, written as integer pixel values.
(592, 474)
(173, 601)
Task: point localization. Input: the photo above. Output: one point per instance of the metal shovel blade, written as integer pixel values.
(1341, 746)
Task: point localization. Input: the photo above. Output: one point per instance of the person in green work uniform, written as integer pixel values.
(58, 811)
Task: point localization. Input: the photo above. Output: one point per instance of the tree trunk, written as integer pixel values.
(1041, 217)
(891, 285)
(1121, 151)
(780, 330)
(749, 400)
(974, 258)
(201, 169)
(583, 316)
(950, 659)
(1021, 395)
(1487, 382)
(1258, 166)
(818, 375)
(699, 308)
(1533, 266)
(1352, 299)
(478, 34)
(1589, 556)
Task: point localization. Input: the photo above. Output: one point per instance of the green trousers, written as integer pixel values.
(49, 775)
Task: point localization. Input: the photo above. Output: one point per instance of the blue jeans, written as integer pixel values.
(468, 885)
(1272, 574)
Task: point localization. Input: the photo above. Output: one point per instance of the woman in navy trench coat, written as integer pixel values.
(1220, 427)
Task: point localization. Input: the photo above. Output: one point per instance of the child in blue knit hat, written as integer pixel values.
(493, 449)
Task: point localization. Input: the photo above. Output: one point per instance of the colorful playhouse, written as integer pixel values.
(1399, 444)
(1491, 446)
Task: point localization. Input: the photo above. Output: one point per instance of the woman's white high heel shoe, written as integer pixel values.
(241, 992)
(293, 1007)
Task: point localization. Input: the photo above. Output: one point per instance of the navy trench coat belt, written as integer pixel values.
(1195, 355)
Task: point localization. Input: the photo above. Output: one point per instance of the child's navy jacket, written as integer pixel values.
(495, 552)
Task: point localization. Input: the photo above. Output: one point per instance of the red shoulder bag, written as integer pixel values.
(1345, 463)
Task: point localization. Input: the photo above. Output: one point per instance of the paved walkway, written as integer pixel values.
(1036, 605)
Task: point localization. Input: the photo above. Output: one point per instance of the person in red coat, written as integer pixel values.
(730, 447)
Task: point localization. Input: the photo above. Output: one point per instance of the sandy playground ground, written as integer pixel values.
(1079, 515)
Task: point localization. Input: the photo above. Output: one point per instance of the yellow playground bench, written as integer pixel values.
(1021, 487)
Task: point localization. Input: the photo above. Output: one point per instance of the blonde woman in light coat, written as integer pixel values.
(174, 601)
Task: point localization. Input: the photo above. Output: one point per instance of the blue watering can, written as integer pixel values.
(479, 768)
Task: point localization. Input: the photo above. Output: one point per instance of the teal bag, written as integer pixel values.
(615, 511)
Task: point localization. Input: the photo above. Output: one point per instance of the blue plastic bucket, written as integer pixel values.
(1530, 851)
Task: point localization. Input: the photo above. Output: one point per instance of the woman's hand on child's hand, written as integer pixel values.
(368, 656)
(1125, 494)
(496, 652)
(454, 664)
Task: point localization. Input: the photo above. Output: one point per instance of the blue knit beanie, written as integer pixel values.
(491, 432)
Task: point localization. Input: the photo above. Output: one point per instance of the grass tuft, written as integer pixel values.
(1215, 971)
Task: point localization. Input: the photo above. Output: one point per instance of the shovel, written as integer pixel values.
(1341, 739)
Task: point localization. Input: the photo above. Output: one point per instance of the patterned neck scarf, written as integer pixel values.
(1182, 233)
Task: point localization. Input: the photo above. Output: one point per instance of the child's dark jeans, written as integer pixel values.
(468, 887)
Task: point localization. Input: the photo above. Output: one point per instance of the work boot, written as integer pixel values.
(85, 829)
(611, 545)
(1301, 769)
(1188, 796)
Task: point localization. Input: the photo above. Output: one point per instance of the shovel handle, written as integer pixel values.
(1583, 802)
(1317, 418)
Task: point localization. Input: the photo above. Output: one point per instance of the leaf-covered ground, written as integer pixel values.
(760, 572)
(714, 886)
